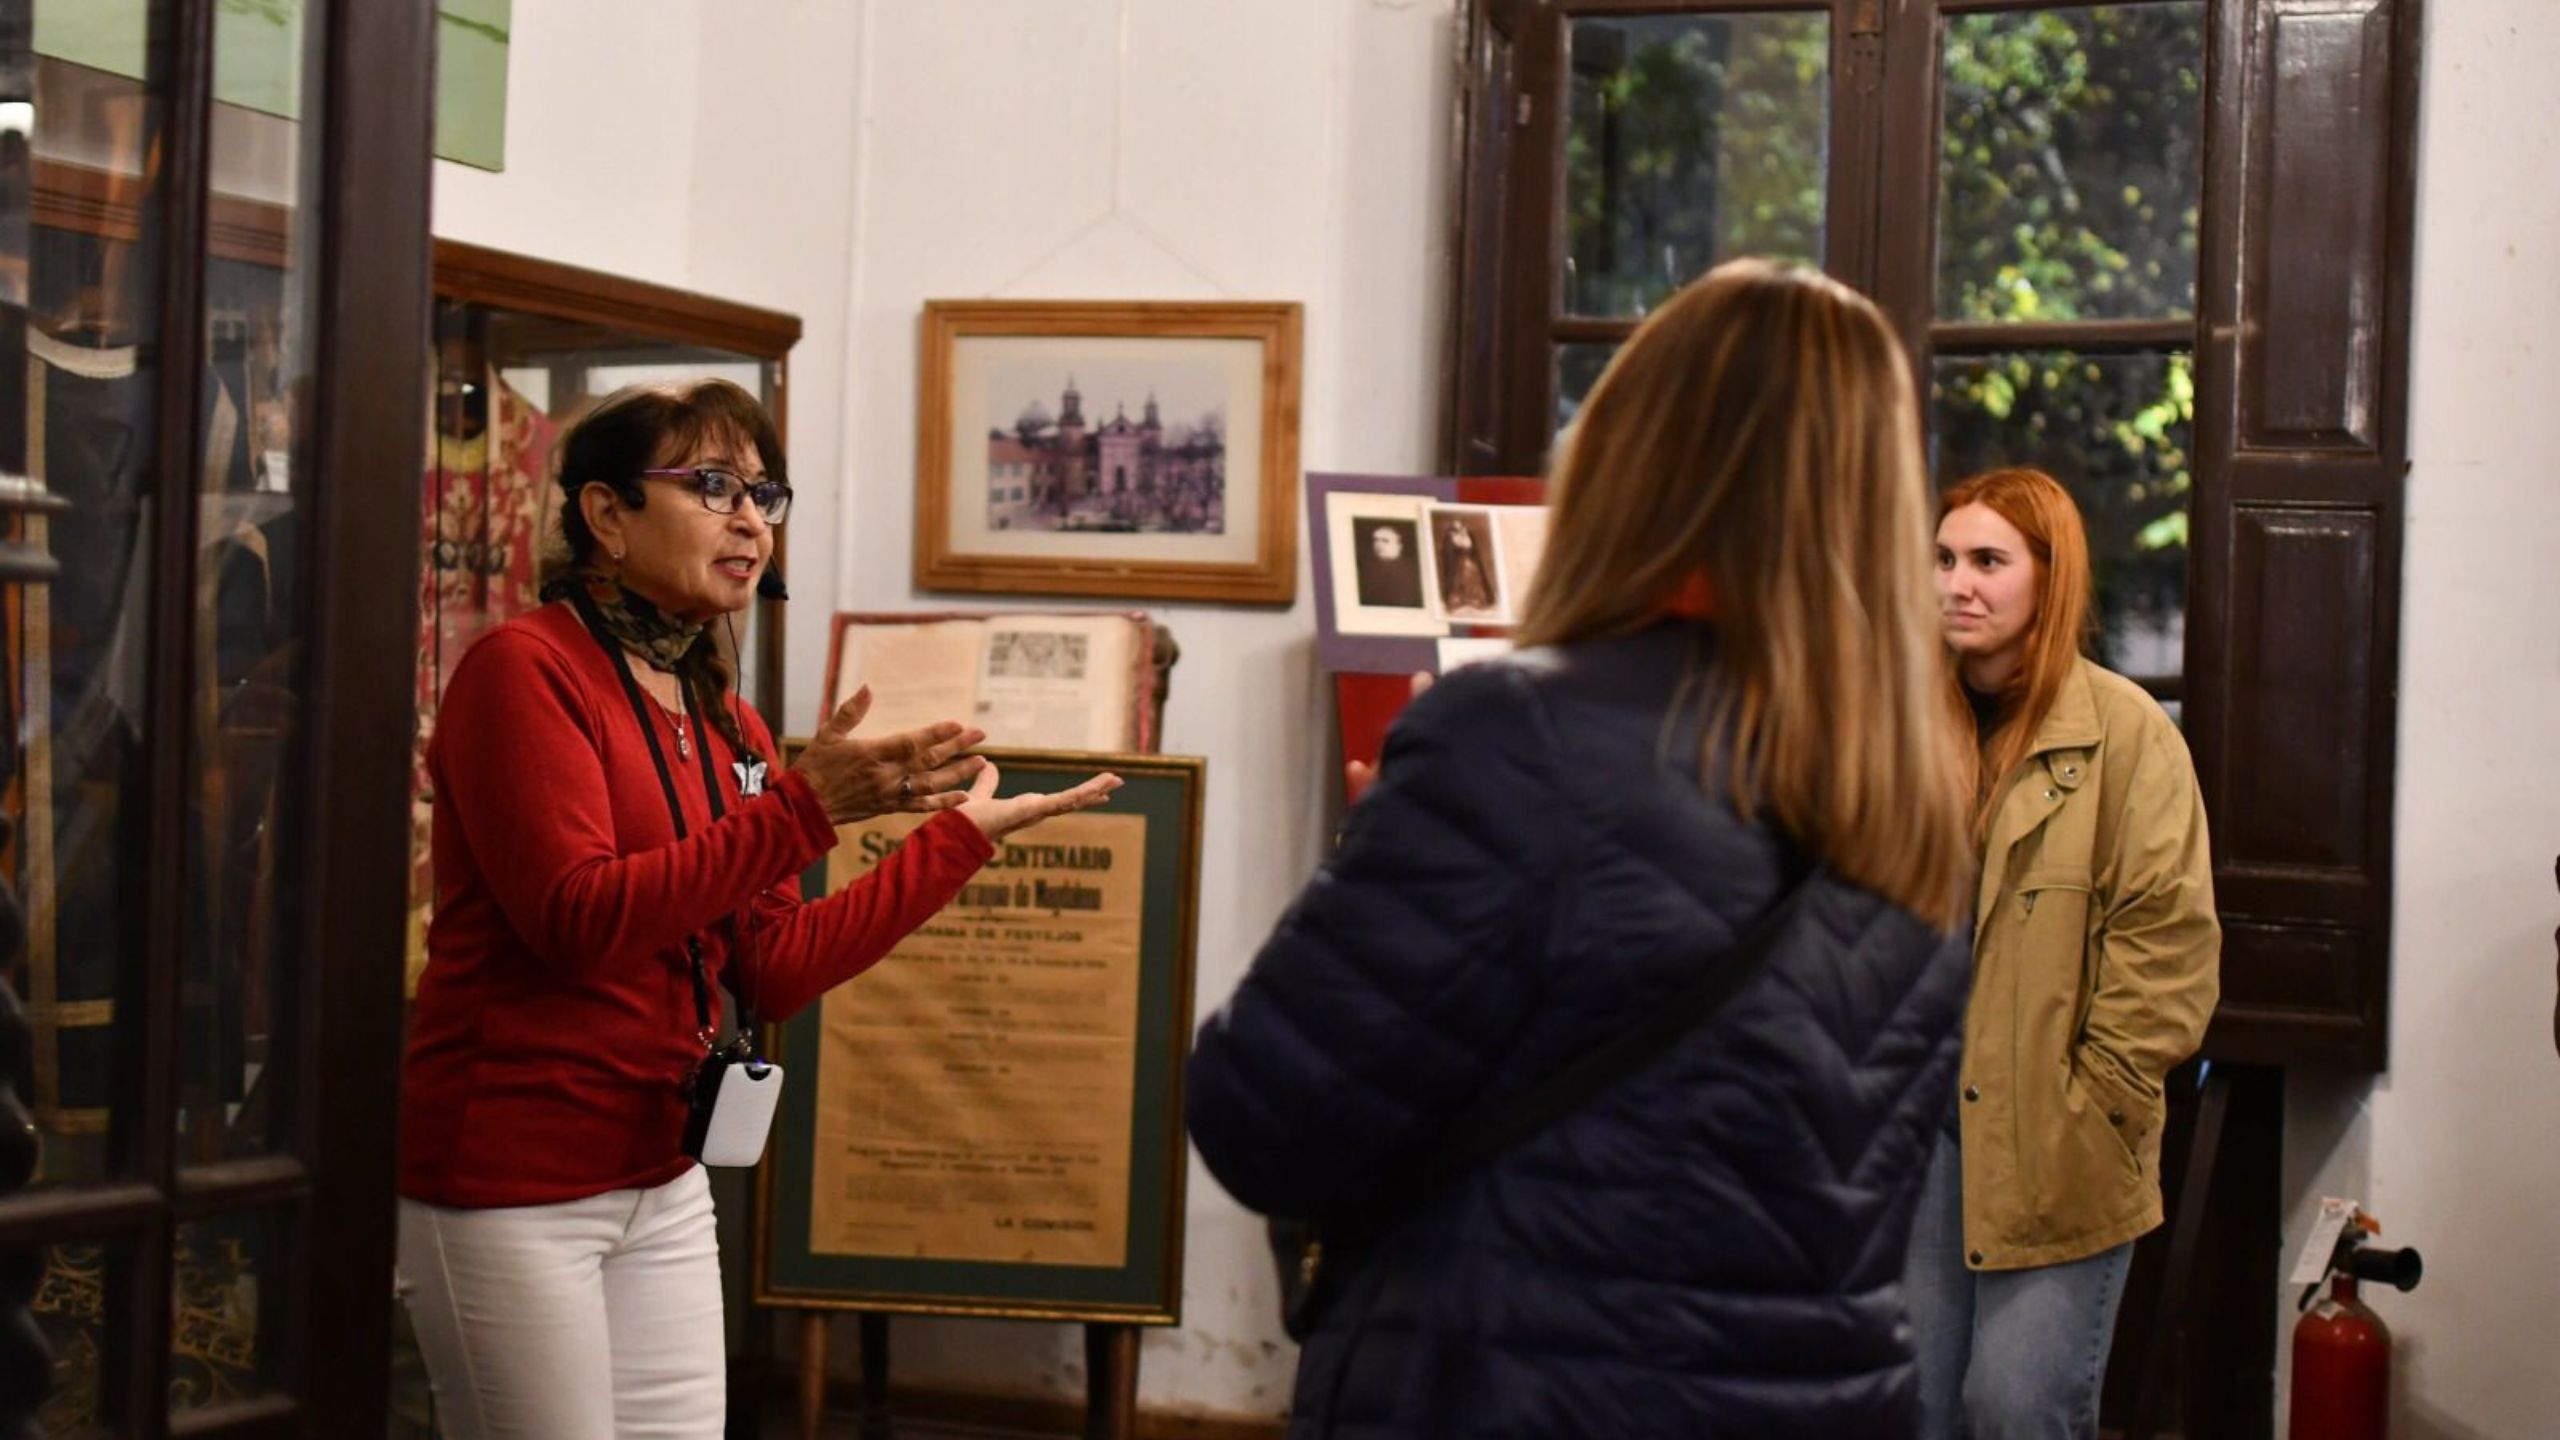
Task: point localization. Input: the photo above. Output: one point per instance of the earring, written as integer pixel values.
(617, 557)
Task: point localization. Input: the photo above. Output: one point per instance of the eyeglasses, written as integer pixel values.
(721, 490)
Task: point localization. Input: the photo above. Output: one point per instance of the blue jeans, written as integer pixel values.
(2004, 1354)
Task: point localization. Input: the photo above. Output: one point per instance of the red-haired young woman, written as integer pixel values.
(2096, 966)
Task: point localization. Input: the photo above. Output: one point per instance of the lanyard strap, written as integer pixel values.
(640, 708)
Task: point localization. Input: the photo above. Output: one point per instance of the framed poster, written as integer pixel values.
(1118, 448)
(989, 1121)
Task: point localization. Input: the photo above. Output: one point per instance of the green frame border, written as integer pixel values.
(1146, 1288)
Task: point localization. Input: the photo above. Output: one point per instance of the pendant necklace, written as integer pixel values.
(684, 744)
(676, 714)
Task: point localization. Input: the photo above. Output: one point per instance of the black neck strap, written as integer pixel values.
(640, 712)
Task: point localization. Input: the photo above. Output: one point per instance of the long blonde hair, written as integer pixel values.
(2055, 639)
(1760, 426)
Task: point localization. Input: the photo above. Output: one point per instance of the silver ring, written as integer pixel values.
(906, 789)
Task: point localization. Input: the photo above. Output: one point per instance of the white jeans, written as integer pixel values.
(598, 1319)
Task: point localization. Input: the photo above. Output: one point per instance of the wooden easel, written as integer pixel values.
(1110, 1349)
(1110, 1379)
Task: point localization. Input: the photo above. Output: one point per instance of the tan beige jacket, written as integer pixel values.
(2097, 962)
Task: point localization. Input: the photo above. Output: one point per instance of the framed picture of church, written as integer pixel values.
(1141, 450)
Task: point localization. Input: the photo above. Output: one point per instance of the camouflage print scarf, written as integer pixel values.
(628, 618)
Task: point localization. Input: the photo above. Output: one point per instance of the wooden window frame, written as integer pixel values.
(2310, 110)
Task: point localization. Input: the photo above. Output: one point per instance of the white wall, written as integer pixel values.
(2457, 1149)
(600, 123)
(770, 217)
(1163, 149)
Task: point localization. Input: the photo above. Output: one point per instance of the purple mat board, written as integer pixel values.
(1364, 654)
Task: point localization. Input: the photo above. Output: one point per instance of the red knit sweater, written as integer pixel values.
(555, 1017)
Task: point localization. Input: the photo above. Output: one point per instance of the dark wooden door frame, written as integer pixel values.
(371, 340)
(142, 1143)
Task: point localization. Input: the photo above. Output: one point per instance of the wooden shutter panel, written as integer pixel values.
(2293, 651)
(1501, 297)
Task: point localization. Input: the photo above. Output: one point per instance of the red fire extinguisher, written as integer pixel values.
(2341, 1349)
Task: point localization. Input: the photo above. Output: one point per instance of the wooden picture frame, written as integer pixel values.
(1198, 502)
(952, 1267)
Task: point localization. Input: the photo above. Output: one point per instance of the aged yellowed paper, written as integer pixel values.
(1035, 682)
(1057, 682)
(919, 674)
(978, 1081)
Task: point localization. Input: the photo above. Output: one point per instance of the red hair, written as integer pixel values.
(2055, 638)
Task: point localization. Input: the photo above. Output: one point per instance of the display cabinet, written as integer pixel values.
(213, 344)
(259, 495)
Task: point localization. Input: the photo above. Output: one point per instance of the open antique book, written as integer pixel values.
(1044, 681)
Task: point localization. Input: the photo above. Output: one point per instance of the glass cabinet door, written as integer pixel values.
(192, 508)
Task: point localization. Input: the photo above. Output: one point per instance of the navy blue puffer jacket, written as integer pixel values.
(1710, 1249)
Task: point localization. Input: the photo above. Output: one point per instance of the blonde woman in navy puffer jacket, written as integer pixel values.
(1737, 583)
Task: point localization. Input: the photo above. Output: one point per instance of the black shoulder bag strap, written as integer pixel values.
(1493, 1126)
(640, 711)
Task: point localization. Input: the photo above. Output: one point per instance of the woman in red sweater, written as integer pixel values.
(613, 844)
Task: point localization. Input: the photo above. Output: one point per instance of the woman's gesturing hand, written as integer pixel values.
(999, 818)
(918, 771)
